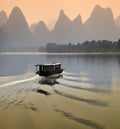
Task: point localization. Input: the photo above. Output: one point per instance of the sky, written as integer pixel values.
(48, 10)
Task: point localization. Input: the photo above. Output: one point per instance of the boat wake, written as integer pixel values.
(12, 87)
(15, 91)
(19, 81)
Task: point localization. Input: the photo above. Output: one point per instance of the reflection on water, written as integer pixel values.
(86, 96)
(50, 80)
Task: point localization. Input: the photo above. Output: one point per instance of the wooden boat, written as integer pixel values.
(48, 69)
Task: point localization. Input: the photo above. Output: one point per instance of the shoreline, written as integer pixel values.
(60, 53)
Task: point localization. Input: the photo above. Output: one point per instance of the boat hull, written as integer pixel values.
(48, 73)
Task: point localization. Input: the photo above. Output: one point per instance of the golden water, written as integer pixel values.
(72, 103)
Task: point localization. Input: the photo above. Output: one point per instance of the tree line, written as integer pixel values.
(87, 46)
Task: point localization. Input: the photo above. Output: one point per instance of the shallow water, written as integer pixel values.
(85, 97)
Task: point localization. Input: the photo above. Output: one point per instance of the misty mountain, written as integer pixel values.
(17, 29)
(3, 36)
(15, 34)
(67, 30)
(63, 23)
(62, 27)
(33, 26)
(4, 41)
(40, 33)
(3, 18)
(100, 25)
(77, 29)
(51, 24)
(117, 22)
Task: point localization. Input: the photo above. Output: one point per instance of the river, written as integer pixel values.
(85, 97)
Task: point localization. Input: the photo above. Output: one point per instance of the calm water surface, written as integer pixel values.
(99, 68)
(86, 97)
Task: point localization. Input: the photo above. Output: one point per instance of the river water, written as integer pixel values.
(85, 97)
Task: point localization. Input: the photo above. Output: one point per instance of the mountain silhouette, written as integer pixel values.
(100, 25)
(78, 31)
(17, 21)
(117, 22)
(63, 22)
(62, 28)
(67, 30)
(3, 35)
(41, 34)
(15, 34)
(17, 29)
(3, 18)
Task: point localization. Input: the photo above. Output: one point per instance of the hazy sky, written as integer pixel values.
(47, 10)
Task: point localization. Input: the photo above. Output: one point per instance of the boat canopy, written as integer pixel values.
(48, 69)
(52, 64)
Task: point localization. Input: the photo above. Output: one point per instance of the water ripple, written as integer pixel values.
(89, 101)
(86, 122)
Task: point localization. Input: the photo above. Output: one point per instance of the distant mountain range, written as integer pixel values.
(15, 34)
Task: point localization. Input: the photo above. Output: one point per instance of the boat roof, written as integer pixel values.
(51, 64)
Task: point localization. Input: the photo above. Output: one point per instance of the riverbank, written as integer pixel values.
(60, 53)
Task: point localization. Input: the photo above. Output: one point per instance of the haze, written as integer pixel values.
(48, 10)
